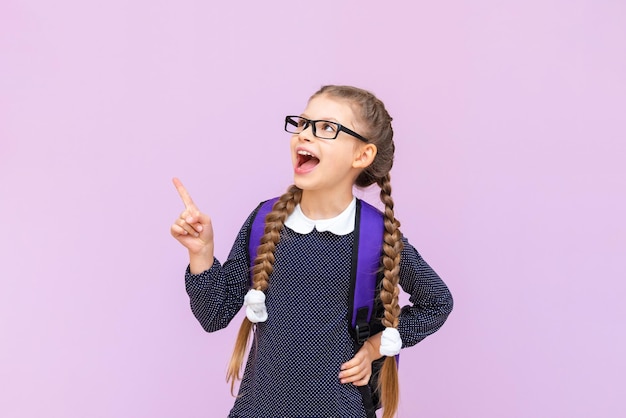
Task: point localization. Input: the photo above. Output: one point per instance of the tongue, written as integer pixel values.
(309, 164)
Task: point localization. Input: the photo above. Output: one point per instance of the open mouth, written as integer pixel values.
(306, 161)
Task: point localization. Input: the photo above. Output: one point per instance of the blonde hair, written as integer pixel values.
(376, 126)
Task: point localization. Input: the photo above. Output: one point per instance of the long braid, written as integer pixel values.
(274, 222)
(388, 385)
(262, 269)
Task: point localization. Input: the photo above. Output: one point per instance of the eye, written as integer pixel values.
(300, 122)
(328, 127)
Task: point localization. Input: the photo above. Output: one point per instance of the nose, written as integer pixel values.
(307, 133)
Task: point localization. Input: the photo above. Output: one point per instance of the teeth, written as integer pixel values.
(302, 152)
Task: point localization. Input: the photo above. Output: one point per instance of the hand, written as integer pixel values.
(193, 229)
(358, 370)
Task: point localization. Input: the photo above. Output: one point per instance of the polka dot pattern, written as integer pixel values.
(297, 353)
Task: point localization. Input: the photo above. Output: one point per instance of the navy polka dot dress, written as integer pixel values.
(293, 367)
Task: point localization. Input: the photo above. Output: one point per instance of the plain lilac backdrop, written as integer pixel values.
(509, 178)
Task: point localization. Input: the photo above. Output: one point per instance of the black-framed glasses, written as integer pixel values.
(324, 129)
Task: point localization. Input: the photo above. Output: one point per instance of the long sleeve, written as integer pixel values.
(216, 294)
(431, 300)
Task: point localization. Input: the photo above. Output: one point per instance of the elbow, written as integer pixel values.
(212, 323)
(208, 322)
(210, 327)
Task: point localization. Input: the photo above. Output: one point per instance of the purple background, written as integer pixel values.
(509, 178)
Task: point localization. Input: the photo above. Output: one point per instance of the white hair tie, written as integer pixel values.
(390, 342)
(255, 306)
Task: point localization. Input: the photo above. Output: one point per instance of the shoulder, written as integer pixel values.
(369, 216)
(258, 212)
(256, 219)
(264, 208)
(368, 206)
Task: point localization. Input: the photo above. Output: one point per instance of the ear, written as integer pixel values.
(364, 156)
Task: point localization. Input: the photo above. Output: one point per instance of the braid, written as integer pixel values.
(263, 267)
(274, 221)
(392, 247)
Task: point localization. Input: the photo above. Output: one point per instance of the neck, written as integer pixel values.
(317, 205)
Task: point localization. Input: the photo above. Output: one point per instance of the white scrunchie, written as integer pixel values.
(390, 342)
(255, 306)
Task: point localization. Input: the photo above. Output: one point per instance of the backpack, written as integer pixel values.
(365, 276)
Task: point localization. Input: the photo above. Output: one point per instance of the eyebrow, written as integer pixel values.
(329, 119)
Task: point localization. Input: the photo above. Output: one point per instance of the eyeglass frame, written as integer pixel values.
(310, 122)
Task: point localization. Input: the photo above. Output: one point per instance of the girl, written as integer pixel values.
(304, 362)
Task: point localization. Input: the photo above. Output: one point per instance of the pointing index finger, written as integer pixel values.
(183, 193)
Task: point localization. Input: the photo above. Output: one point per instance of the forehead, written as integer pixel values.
(330, 108)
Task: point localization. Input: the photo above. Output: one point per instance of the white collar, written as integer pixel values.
(341, 224)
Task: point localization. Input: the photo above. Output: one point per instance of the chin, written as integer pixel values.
(303, 183)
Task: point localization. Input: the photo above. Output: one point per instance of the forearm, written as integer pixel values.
(431, 300)
(201, 261)
(372, 344)
(214, 298)
(423, 319)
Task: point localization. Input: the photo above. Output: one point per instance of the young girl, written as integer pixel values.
(304, 362)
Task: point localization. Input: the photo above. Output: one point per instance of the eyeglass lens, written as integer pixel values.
(321, 128)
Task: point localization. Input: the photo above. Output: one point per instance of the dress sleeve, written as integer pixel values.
(216, 294)
(431, 300)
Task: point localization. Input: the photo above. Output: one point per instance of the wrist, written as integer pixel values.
(201, 251)
(372, 351)
(200, 261)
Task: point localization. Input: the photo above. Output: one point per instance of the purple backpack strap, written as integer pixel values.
(369, 230)
(257, 229)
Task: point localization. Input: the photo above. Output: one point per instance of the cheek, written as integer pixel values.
(342, 158)
(292, 147)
